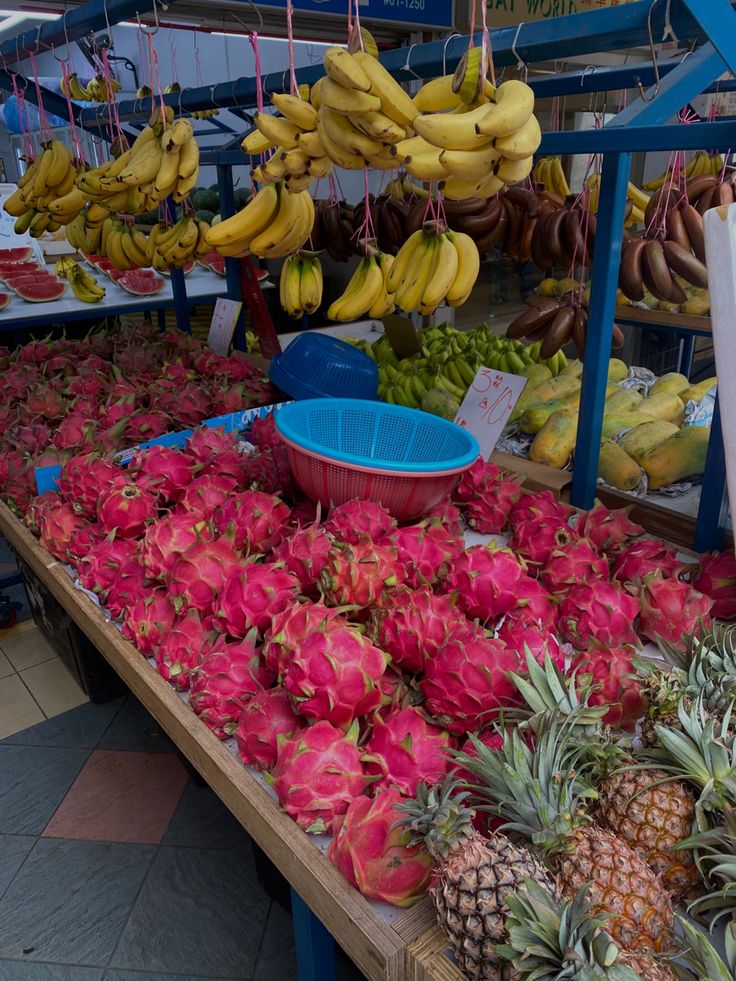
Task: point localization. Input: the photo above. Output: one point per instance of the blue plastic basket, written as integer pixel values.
(319, 366)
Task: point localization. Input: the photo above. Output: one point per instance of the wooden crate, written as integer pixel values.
(428, 959)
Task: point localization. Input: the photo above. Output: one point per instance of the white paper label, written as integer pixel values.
(487, 406)
(223, 323)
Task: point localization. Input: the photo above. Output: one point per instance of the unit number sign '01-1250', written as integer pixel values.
(487, 406)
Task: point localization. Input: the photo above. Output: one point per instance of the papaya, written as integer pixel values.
(617, 421)
(622, 400)
(680, 456)
(554, 443)
(536, 373)
(673, 383)
(696, 393)
(440, 402)
(696, 306)
(664, 405)
(536, 416)
(566, 285)
(617, 370)
(647, 436)
(557, 388)
(547, 287)
(574, 368)
(616, 467)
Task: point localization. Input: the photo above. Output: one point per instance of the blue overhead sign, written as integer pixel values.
(433, 14)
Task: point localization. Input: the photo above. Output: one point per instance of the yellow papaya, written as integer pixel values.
(617, 370)
(645, 437)
(617, 421)
(557, 388)
(622, 400)
(673, 383)
(696, 306)
(616, 467)
(536, 416)
(574, 368)
(682, 455)
(664, 405)
(536, 373)
(547, 287)
(554, 443)
(696, 393)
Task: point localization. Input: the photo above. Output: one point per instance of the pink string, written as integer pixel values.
(357, 25)
(112, 106)
(197, 61)
(293, 87)
(253, 38)
(367, 229)
(29, 151)
(146, 79)
(172, 56)
(471, 42)
(76, 138)
(44, 127)
(155, 79)
(486, 59)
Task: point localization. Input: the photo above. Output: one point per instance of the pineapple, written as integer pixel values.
(702, 957)
(542, 794)
(716, 851)
(475, 876)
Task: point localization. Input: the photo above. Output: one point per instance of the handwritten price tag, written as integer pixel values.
(224, 318)
(487, 406)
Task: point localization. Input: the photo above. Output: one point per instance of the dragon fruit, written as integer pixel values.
(305, 513)
(206, 443)
(38, 507)
(103, 563)
(609, 531)
(448, 516)
(117, 411)
(266, 716)
(199, 575)
(127, 588)
(601, 611)
(318, 772)
(469, 682)
(359, 521)
(427, 551)
(291, 627)
(255, 522)
(305, 553)
(611, 674)
(184, 645)
(252, 596)
(359, 575)
(492, 739)
(405, 749)
(168, 538)
(224, 681)
(126, 509)
(715, 577)
(533, 637)
(269, 471)
(671, 610)
(335, 674)
(189, 406)
(413, 625)
(374, 854)
(164, 471)
(206, 494)
(573, 563)
(57, 525)
(148, 621)
(539, 505)
(537, 538)
(84, 478)
(534, 605)
(263, 432)
(486, 497)
(484, 578)
(46, 403)
(83, 540)
(642, 557)
(147, 424)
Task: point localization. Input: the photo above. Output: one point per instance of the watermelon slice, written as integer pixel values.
(19, 282)
(10, 268)
(214, 262)
(16, 255)
(41, 292)
(4, 300)
(140, 282)
(186, 268)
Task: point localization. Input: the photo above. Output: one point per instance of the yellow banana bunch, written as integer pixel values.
(273, 224)
(639, 200)
(124, 245)
(549, 173)
(173, 247)
(46, 197)
(403, 187)
(300, 285)
(367, 293)
(431, 269)
(83, 283)
(85, 234)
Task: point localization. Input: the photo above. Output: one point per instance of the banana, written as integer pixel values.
(248, 222)
(514, 171)
(290, 280)
(143, 166)
(404, 259)
(16, 205)
(522, 143)
(347, 101)
(468, 266)
(437, 95)
(296, 162)
(320, 166)
(426, 166)
(61, 163)
(379, 126)
(40, 183)
(189, 161)
(340, 157)
(178, 134)
(168, 172)
(513, 104)
(639, 197)
(453, 130)
(442, 277)
(311, 144)
(70, 204)
(280, 131)
(255, 142)
(342, 132)
(288, 230)
(344, 305)
(470, 164)
(395, 102)
(23, 222)
(302, 114)
(561, 187)
(459, 189)
(343, 69)
(408, 296)
(310, 285)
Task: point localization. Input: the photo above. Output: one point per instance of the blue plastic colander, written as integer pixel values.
(316, 366)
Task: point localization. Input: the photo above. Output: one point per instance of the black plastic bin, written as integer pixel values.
(80, 657)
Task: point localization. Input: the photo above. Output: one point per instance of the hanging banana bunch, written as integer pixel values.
(367, 293)
(300, 285)
(433, 267)
(273, 224)
(46, 197)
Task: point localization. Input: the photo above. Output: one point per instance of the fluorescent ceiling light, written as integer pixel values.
(28, 15)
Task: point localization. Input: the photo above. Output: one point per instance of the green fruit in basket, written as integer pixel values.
(440, 402)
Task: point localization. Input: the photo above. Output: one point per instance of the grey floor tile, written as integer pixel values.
(135, 729)
(13, 852)
(70, 901)
(208, 912)
(20, 971)
(35, 780)
(277, 957)
(202, 821)
(80, 728)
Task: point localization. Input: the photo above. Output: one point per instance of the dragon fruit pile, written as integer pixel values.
(107, 392)
(346, 654)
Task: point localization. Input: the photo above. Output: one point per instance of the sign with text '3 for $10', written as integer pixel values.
(487, 406)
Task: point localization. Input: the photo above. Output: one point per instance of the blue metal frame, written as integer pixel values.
(315, 947)
(708, 531)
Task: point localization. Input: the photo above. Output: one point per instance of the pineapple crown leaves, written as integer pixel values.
(548, 691)
(715, 856)
(551, 938)
(437, 817)
(700, 954)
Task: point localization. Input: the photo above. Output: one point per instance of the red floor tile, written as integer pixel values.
(126, 797)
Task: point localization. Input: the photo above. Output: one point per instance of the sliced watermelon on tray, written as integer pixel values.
(16, 255)
(140, 282)
(4, 300)
(10, 268)
(40, 292)
(186, 268)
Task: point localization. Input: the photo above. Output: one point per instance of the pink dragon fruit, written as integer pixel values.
(305, 513)
(414, 625)
(484, 578)
(359, 521)
(147, 424)
(609, 531)
(374, 854)
(148, 621)
(534, 605)
(127, 588)
(486, 496)
(83, 540)
(38, 507)
(164, 471)
(168, 538)
(183, 646)
(190, 406)
(263, 432)
(224, 681)
(573, 563)
(46, 403)
(427, 552)
(601, 611)
(359, 575)
(305, 553)
(57, 525)
(103, 563)
(318, 772)
(448, 516)
(611, 674)
(206, 494)
(198, 577)
(118, 411)
(126, 509)
(266, 716)
(715, 577)
(405, 750)
(335, 675)
(206, 443)
(252, 596)
(537, 538)
(539, 641)
(468, 682)
(538, 505)
(671, 610)
(84, 478)
(255, 522)
(291, 627)
(268, 470)
(642, 557)
(492, 739)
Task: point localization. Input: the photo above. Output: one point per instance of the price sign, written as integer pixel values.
(487, 406)
(223, 323)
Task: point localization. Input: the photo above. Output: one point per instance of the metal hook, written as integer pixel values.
(588, 68)
(407, 67)
(146, 30)
(38, 40)
(644, 97)
(520, 63)
(212, 97)
(242, 23)
(444, 52)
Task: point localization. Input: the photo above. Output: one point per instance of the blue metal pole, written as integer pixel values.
(604, 278)
(709, 534)
(315, 947)
(181, 303)
(718, 20)
(232, 266)
(609, 139)
(686, 354)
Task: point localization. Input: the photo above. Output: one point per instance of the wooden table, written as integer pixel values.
(374, 936)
